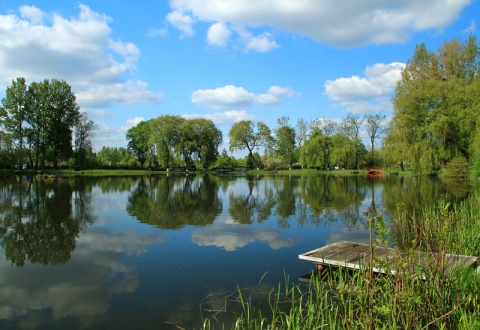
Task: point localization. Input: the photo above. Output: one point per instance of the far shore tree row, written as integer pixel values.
(435, 122)
(41, 124)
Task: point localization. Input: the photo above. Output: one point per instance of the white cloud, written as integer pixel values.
(282, 91)
(224, 118)
(369, 93)
(105, 95)
(181, 21)
(38, 45)
(472, 28)
(263, 43)
(233, 97)
(32, 14)
(350, 24)
(223, 97)
(133, 122)
(218, 34)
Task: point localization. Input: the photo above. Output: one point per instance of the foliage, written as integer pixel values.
(165, 135)
(225, 161)
(458, 166)
(199, 140)
(184, 142)
(284, 144)
(84, 130)
(115, 157)
(246, 135)
(14, 108)
(40, 119)
(435, 107)
(139, 142)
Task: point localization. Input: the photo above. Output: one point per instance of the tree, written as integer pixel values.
(63, 114)
(285, 141)
(374, 130)
(37, 117)
(324, 126)
(14, 106)
(435, 106)
(350, 127)
(343, 148)
(244, 136)
(139, 141)
(302, 131)
(165, 136)
(225, 161)
(209, 138)
(84, 130)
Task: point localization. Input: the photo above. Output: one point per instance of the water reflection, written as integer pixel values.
(173, 202)
(42, 219)
(137, 252)
(233, 238)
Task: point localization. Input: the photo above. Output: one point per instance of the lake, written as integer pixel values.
(153, 252)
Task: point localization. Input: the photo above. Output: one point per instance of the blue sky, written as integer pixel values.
(225, 60)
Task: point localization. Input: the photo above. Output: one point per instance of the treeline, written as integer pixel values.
(41, 124)
(173, 141)
(435, 123)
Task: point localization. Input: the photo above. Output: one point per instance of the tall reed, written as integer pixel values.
(409, 296)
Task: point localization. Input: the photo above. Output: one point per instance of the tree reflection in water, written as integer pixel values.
(176, 201)
(42, 219)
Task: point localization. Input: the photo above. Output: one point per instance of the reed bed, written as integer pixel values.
(417, 297)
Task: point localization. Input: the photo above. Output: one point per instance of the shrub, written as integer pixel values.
(458, 167)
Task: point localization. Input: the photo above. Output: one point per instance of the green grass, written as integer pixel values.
(68, 172)
(422, 299)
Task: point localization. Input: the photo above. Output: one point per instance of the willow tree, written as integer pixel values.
(199, 140)
(165, 135)
(435, 106)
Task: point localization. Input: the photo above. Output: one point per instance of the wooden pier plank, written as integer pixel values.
(357, 255)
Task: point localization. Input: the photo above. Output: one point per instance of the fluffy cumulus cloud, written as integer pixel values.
(232, 97)
(224, 118)
(36, 44)
(354, 23)
(218, 34)
(369, 93)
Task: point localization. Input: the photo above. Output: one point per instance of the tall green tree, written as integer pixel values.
(285, 136)
(37, 117)
(436, 106)
(165, 132)
(139, 141)
(14, 106)
(209, 139)
(63, 114)
(246, 135)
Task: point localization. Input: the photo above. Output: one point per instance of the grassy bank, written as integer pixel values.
(427, 298)
(68, 172)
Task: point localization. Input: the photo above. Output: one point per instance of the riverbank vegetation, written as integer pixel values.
(434, 129)
(426, 298)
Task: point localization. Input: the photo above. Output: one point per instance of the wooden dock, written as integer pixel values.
(357, 256)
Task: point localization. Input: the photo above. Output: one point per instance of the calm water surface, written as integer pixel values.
(153, 252)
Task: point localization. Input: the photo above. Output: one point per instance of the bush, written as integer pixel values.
(458, 167)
